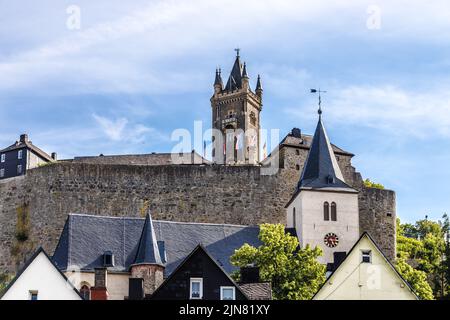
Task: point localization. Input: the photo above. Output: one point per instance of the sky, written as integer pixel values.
(115, 77)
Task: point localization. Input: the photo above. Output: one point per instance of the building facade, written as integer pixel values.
(16, 159)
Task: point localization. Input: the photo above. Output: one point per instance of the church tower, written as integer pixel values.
(324, 210)
(236, 117)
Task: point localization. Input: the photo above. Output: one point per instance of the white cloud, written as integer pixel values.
(388, 108)
(114, 129)
(120, 130)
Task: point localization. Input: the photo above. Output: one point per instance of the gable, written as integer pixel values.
(198, 265)
(42, 276)
(354, 280)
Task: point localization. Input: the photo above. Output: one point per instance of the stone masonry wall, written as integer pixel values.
(195, 193)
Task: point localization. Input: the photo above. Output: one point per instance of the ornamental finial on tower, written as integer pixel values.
(320, 100)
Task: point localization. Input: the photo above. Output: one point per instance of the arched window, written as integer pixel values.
(326, 211)
(252, 119)
(333, 211)
(85, 292)
(294, 222)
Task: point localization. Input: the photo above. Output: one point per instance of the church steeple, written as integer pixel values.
(321, 168)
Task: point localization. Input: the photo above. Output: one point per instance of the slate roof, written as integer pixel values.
(30, 146)
(321, 169)
(257, 291)
(235, 79)
(85, 238)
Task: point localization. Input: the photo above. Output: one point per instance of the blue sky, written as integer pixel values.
(134, 72)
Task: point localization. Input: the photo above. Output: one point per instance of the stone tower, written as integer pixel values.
(236, 117)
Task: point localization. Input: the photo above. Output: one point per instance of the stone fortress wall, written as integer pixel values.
(33, 208)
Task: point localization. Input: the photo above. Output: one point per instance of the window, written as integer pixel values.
(2, 173)
(33, 295)
(297, 167)
(3, 157)
(326, 211)
(227, 293)
(108, 259)
(19, 169)
(85, 292)
(294, 218)
(196, 288)
(366, 256)
(19, 154)
(333, 211)
(297, 152)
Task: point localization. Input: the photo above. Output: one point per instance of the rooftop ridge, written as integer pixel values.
(164, 221)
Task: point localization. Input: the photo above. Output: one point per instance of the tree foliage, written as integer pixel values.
(416, 278)
(294, 272)
(423, 246)
(370, 184)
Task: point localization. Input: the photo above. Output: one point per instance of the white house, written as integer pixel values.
(365, 274)
(40, 279)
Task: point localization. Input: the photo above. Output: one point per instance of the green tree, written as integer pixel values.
(422, 245)
(370, 184)
(294, 272)
(416, 278)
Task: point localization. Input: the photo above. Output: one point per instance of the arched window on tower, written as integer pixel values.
(294, 218)
(326, 211)
(333, 211)
(85, 292)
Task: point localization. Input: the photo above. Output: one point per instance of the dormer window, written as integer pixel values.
(108, 259)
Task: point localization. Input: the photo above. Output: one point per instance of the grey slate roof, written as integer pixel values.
(321, 169)
(257, 291)
(30, 146)
(148, 251)
(85, 238)
(235, 79)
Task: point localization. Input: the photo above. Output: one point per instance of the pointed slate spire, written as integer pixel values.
(218, 79)
(258, 84)
(148, 252)
(321, 168)
(235, 80)
(244, 71)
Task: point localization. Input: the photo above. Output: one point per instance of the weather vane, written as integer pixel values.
(237, 51)
(320, 99)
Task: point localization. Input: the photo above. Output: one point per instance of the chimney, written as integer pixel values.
(99, 291)
(338, 258)
(23, 138)
(250, 274)
(296, 132)
(136, 289)
(54, 156)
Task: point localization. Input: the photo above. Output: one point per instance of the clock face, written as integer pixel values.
(331, 240)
